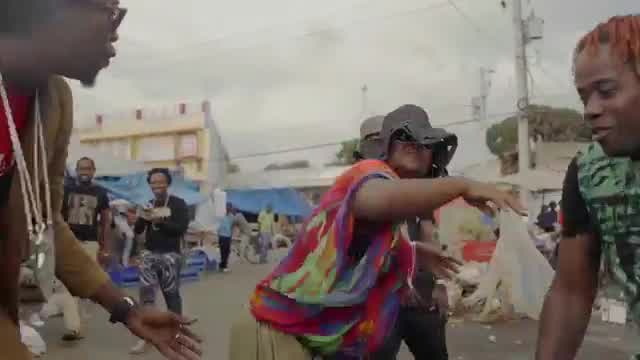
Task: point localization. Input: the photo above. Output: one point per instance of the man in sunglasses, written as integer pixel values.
(42, 41)
(421, 323)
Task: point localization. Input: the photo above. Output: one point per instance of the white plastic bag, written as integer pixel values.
(522, 272)
(32, 340)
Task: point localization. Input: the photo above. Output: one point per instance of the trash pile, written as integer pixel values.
(513, 283)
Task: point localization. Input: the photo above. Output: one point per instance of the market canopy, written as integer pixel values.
(283, 201)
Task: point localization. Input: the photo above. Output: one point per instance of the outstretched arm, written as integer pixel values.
(382, 200)
(567, 309)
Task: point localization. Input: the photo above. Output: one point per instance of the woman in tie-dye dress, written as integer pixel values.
(338, 291)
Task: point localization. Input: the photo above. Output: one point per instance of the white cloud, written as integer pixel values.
(288, 72)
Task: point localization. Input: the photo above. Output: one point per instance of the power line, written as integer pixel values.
(549, 76)
(471, 21)
(338, 143)
(288, 150)
(268, 28)
(403, 13)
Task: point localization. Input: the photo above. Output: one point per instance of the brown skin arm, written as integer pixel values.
(82, 276)
(567, 309)
(108, 296)
(396, 200)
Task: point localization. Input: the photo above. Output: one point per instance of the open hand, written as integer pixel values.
(430, 257)
(479, 194)
(168, 332)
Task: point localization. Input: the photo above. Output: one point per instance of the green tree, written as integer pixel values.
(345, 155)
(552, 124)
(298, 164)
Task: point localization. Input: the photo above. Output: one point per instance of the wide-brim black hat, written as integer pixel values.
(414, 123)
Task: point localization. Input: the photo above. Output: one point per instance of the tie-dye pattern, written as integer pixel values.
(334, 304)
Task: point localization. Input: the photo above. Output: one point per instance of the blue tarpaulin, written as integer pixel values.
(134, 188)
(284, 201)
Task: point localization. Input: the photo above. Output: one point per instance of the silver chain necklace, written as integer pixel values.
(39, 227)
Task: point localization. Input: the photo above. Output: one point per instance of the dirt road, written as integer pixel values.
(216, 299)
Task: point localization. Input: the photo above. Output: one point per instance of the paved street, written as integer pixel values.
(216, 299)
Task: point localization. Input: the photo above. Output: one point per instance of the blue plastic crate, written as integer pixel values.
(190, 273)
(125, 277)
(197, 259)
(212, 265)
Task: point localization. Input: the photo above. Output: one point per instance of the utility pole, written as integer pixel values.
(479, 103)
(365, 103)
(522, 88)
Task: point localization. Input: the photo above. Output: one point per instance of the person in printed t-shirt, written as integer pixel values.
(86, 210)
(601, 192)
(338, 292)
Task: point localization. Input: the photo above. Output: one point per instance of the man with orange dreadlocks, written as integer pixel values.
(601, 194)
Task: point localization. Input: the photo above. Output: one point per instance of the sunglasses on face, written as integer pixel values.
(112, 8)
(417, 146)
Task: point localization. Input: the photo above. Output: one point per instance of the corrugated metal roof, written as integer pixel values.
(291, 178)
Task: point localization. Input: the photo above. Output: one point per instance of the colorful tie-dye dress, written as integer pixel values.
(333, 303)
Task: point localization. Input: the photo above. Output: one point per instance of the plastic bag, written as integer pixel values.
(531, 274)
(32, 340)
(523, 274)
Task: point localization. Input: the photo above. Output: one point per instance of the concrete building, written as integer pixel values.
(182, 137)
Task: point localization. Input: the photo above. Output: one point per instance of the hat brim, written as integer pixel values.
(432, 136)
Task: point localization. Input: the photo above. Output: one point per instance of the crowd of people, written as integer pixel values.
(364, 272)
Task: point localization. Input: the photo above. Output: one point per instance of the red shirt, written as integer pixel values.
(20, 107)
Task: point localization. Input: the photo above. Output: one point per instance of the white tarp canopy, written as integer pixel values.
(291, 178)
(106, 164)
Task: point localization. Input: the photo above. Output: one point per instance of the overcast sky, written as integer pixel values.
(286, 73)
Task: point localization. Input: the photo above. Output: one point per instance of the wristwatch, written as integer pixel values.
(122, 309)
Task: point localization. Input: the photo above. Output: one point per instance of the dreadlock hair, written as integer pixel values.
(621, 33)
(163, 171)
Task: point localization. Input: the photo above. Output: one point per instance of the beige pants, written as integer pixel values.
(251, 340)
(65, 304)
(86, 307)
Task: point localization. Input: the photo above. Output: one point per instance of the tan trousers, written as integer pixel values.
(63, 302)
(10, 343)
(86, 307)
(251, 340)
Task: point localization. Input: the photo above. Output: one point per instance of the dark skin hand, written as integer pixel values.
(168, 332)
(567, 309)
(395, 200)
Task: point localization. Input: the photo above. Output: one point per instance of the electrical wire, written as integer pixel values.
(377, 19)
(338, 143)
